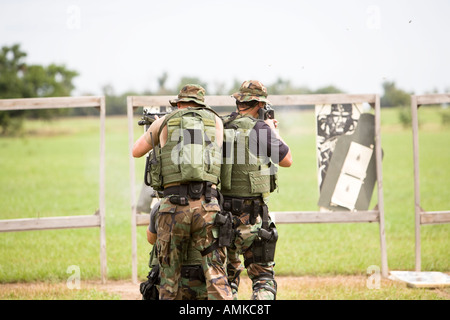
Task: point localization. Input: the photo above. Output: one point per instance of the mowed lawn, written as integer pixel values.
(53, 170)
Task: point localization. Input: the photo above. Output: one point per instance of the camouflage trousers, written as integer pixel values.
(177, 226)
(193, 285)
(244, 239)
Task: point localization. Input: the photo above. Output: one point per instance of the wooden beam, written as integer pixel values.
(435, 217)
(432, 99)
(142, 219)
(286, 217)
(50, 103)
(27, 224)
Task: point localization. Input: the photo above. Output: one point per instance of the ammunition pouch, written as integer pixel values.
(180, 195)
(238, 206)
(149, 289)
(224, 221)
(193, 272)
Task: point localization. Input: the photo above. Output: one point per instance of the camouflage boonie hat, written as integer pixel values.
(190, 92)
(251, 90)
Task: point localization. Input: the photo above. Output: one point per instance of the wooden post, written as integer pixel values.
(102, 205)
(415, 130)
(421, 216)
(379, 158)
(134, 275)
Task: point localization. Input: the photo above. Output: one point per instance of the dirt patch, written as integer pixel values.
(289, 288)
(126, 289)
(304, 285)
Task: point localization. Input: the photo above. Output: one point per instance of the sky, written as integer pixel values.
(354, 45)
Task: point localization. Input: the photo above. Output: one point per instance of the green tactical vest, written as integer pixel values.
(191, 152)
(244, 174)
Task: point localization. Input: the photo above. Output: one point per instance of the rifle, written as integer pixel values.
(149, 113)
(266, 113)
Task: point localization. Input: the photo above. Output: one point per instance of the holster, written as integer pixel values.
(224, 221)
(263, 247)
(149, 289)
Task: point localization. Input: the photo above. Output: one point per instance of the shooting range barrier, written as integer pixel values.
(422, 216)
(80, 221)
(285, 217)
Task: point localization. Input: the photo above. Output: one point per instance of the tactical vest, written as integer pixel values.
(243, 173)
(191, 152)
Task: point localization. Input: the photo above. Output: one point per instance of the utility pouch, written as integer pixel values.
(195, 190)
(179, 200)
(273, 182)
(193, 273)
(256, 208)
(224, 221)
(237, 206)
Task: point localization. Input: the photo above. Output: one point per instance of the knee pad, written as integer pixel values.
(265, 282)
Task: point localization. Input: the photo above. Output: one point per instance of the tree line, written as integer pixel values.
(21, 80)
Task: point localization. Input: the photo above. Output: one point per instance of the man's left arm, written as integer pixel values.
(145, 142)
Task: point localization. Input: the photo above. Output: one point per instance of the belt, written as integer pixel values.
(237, 206)
(194, 190)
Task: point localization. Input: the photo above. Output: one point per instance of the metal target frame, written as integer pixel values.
(63, 222)
(282, 217)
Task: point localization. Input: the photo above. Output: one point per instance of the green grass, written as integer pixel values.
(53, 170)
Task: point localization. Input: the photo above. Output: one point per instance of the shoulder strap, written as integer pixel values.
(186, 110)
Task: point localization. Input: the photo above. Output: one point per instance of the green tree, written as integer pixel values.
(19, 80)
(328, 89)
(187, 80)
(393, 96)
(281, 86)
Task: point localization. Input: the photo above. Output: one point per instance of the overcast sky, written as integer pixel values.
(354, 44)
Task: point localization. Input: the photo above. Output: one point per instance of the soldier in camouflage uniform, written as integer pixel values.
(186, 168)
(252, 149)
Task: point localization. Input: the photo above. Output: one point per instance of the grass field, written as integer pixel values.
(52, 170)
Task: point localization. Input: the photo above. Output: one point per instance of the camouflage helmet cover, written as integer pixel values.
(251, 90)
(190, 92)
